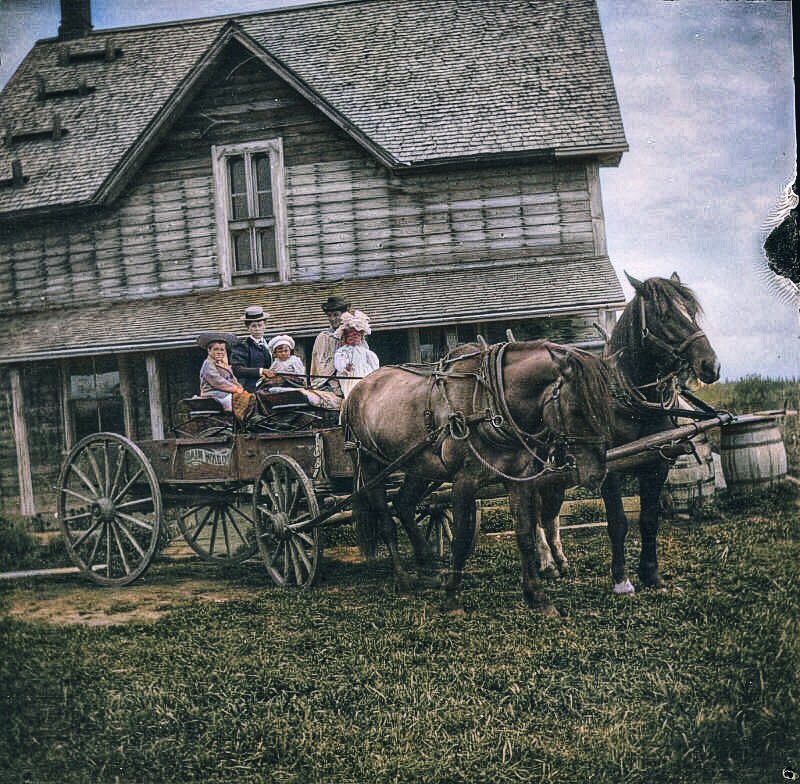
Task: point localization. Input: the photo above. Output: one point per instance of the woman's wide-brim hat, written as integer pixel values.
(205, 339)
(357, 321)
(335, 303)
(280, 340)
(254, 313)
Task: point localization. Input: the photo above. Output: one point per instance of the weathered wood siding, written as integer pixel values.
(41, 387)
(347, 216)
(9, 483)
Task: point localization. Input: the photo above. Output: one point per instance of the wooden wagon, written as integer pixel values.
(233, 493)
(236, 493)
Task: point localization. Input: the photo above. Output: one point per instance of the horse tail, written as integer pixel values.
(367, 533)
(364, 516)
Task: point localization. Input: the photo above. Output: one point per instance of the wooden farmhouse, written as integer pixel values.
(434, 161)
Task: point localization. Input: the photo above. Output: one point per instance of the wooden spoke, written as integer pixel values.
(85, 480)
(128, 485)
(284, 496)
(219, 528)
(120, 515)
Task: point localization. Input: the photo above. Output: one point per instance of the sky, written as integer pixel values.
(706, 93)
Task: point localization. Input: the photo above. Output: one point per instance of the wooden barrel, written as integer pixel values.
(691, 480)
(753, 454)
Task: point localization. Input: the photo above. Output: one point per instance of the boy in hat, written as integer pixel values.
(217, 380)
(322, 369)
(250, 357)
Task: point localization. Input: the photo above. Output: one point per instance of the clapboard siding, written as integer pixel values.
(347, 216)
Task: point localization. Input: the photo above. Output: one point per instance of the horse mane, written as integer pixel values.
(665, 294)
(591, 376)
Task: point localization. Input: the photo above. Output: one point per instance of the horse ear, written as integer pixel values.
(561, 360)
(638, 286)
(674, 278)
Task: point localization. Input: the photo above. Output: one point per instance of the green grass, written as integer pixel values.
(350, 682)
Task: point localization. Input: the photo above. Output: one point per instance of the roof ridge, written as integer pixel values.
(198, 20)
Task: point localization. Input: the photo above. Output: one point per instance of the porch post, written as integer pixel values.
(27, 507)
(414, 354)
(154, 389)
(126, 393)
(66, 418)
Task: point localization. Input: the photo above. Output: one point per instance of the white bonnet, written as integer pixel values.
(280, 340)
(357, 320)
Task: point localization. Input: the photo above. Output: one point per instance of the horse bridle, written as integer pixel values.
(676, 354)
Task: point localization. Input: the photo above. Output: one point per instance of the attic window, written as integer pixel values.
(108, 54)
(17, 179)
(251, 213)
(44, 92)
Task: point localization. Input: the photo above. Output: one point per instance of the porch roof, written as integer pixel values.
(547, 287)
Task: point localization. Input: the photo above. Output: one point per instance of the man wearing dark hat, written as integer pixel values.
(322, 369)
(250, 357)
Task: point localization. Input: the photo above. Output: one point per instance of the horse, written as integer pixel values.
(655, 345)
(525, 413)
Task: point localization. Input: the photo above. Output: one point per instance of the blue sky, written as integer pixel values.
(706, 92)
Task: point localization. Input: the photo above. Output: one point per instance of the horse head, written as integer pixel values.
(665, 313)
(576, 411)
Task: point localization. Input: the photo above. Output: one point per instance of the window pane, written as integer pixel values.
(85, 418)
(95, 400)
(238, 185)
(263, 185)
(269, 260)
(242, 257)
(432, 344)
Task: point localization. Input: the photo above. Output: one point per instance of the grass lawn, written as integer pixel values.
(350, 682)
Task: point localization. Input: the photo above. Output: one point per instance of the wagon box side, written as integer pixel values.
(192, 460)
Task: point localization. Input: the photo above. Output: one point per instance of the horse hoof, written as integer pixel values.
(623, 588)
(653, 581)
(549, 611)
(564, 570)
(550, 573)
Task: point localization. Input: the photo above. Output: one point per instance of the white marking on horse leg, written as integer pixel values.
(625, 587)
(544, 555)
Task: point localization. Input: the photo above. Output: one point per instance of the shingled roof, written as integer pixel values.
(518, 291)
(416, 82)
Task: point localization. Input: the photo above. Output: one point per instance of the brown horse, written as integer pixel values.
(523, 413)
(655, 344)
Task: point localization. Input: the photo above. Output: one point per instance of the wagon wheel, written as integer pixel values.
(284, 495)
(109, 508)
(436, 522)
(218, 526)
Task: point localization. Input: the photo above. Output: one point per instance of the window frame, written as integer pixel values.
(222, 196)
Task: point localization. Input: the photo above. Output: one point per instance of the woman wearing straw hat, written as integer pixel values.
(250, 357)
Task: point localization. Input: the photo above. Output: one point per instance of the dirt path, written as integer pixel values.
(167, 587)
